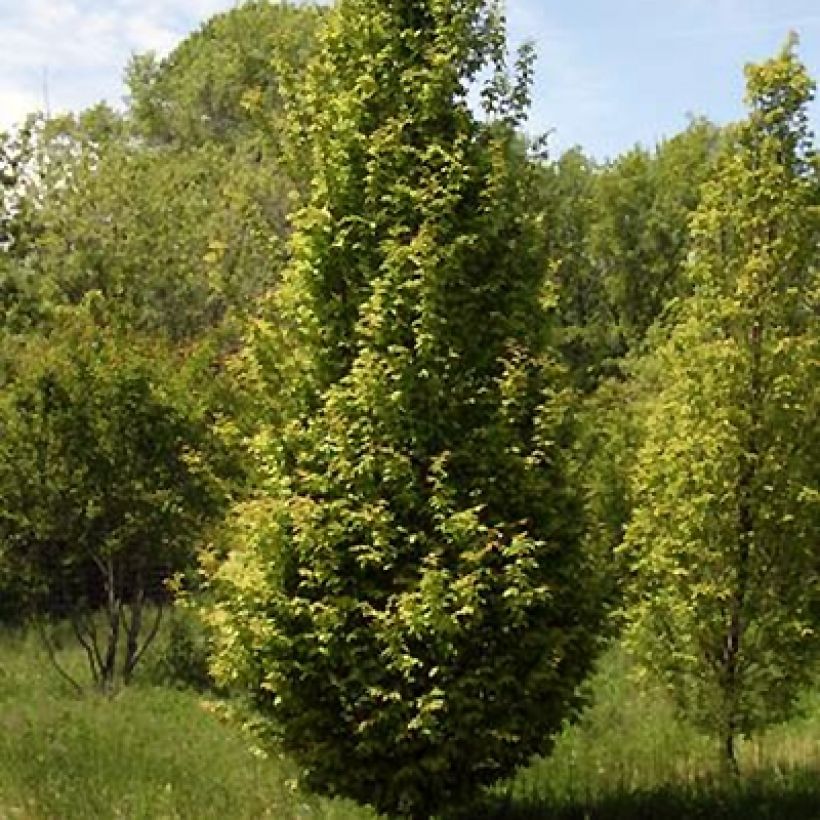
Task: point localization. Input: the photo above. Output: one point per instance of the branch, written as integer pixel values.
(87, 646)
(52, 656)
(149, 638)
(91, 631)
(101, 566)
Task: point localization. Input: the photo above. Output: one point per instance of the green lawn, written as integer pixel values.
(154, 752)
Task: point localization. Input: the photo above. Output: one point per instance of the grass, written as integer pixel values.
(150, 752)
(630, 757)
(155, 752)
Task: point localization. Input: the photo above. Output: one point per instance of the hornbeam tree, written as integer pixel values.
(407, 598)
(724, 540)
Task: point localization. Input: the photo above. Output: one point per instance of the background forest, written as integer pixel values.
(359, 455)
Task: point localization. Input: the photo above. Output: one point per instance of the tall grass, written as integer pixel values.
(159, 752)
(149, 752)
(630, 756)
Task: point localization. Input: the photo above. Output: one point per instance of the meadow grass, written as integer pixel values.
(160, 752)
(629, 756)
(148, 752)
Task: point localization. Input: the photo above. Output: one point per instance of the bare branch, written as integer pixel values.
(149, 639)
(91, 630)
(88, 646)
(52, 656)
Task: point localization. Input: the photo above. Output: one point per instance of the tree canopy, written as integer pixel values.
(109, 475)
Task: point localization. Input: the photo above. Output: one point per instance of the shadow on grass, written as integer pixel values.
(776, 795)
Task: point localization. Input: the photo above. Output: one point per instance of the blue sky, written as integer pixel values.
(611, 72)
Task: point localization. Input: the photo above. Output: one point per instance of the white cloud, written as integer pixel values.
(146, 34)
(83, 46)
(16, 104)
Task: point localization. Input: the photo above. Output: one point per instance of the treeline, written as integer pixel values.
(423, 415)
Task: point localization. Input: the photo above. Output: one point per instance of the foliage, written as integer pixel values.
(640, 235)
(616, 237)
(172, 239)
(154, 237)
(108, 476)
(181, 658)
(176, 211)
(20, 302)
(723, 542)
(407, 598)
(570, 194)
(217, 87)
(610, 423)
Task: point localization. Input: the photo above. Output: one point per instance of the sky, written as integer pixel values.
(611, 73)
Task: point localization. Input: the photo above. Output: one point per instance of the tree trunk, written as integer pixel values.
(113, 611)
(133, 628)
(746, 535)
(729, 751)
(134, 651)
(42, 631)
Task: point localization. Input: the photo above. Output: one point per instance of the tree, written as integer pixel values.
(723, 541)
(407, 599)
(168, 229)
(108, 476)
(173, 240)
(638, 239)
(217, 86)
(176, 211)
(570, 203)
(616, 236)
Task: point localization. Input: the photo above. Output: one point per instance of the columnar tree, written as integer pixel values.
(724, 538)
(407, 599)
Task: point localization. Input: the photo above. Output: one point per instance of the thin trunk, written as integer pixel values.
(729, 752)
(746, 534)
(89, 644)
(114, 610)
(90, 625)
(133, 627)
(135, 651)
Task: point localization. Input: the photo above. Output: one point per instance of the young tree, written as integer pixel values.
(724, 538)
(108, 476)
(407, 599)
